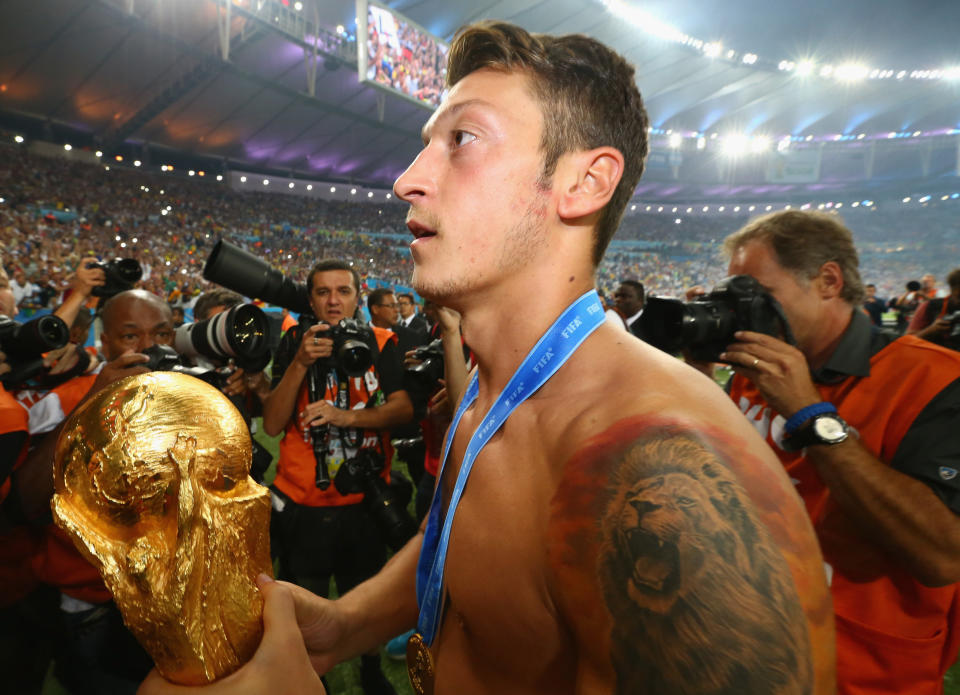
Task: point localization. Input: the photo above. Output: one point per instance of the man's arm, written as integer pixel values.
(279, 405)
(704, 559)
(896, 511)
(82, 283)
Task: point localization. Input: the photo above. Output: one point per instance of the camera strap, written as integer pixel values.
(550, 353)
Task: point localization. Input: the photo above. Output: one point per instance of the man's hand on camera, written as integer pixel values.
(314, 347)
(701, 366)
(85, 279)
(779, 370)
(236, 384)
(322, 413)
(128, 364)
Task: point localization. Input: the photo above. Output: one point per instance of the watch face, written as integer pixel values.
(830, 429)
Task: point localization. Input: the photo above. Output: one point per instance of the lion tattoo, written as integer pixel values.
(702, 600)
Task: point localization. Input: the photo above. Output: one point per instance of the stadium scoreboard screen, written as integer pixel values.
(399, 56)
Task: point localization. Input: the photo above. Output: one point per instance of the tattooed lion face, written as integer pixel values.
(663, 530)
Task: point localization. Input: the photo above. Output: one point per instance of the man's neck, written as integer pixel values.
(500, 342)
(834, 325)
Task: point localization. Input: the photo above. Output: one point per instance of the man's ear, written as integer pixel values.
(830, 280)
(590, 179)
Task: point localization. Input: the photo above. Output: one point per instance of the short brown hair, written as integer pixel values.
(333, 264)
(802, 242)
(587, 95)
(953, 278)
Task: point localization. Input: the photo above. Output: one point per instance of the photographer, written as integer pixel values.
(97, 654)
(882, 491)
(317, 532)
(937, 320)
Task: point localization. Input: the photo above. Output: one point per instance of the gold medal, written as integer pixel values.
(420, 665)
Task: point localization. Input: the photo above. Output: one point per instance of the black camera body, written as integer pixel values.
(361, 474)
(163, 358)
(121, 275)
(24, 345)
(351, 338)
(706, 325)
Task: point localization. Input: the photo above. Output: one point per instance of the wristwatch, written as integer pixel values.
(825, 428)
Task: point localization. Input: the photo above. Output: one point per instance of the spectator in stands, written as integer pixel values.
(929, 289)
(937, 319)
(317, 532)
(874, 305)
(885, 501)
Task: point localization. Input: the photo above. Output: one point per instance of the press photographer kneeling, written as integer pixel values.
(336, 424)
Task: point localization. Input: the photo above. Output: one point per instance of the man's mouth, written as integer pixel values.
(420, 231)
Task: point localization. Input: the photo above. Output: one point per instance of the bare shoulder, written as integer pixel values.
(709, 572)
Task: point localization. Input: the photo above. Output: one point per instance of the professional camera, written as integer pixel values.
(121, 275)
(242, 333)
(24, 345)
(706, 325)
(163, 358)
(351, 345)
(430, 370)
(242, 272)
(361, 474)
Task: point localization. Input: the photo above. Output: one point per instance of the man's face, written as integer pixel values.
(627, 300)
(801, 302)
(333, 296)
(478, 209)
(385, 314)
(871, 291)
(135, 325)
(406, 307)
(929, 282)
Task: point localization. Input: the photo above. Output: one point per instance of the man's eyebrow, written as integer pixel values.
(448, 114)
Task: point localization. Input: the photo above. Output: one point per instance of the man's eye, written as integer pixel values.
(462, 137)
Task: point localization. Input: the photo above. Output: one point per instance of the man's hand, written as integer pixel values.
(322, 413)
(4, 366)
(778, 370)
(298, 632)
(448, 319)
(85, 279)
(935, 329)
(127, 364)
(236, 384)
(313, 347)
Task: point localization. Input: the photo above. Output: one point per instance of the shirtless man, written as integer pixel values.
(625, 530)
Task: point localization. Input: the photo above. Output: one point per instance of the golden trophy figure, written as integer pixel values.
(152, 484)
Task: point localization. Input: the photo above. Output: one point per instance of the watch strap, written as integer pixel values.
(807, 435)
(801, 416)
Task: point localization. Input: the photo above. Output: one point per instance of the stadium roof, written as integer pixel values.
(153, 71)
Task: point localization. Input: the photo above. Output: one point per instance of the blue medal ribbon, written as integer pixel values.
(550, 353)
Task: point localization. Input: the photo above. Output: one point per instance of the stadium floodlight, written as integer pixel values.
(191, 173)
(677, 221)
(712, 49)
(353, 191)
(749, 58)
(219, 177)
(769, 207)
(689, 209)
(266, 182)
(861, 136)
(632, 208)
(752, 208)
(851, 72)
(675, 140)
(891, 135)
(18, 139)
(333, 189)
(298, 6)
(136, 163)
(660, 209)
(68, 147)
(826, 71)
(309, 186)
(701, 143)
(805, 68)
(340, 29)
(201, 173)
(99, 154)
(734, 145)
(243, 179)
(369, 194)
(119, 158)
(736, 208)
(106, 168)
(290, 185)
(722, 208)
(706, 208)
(916, 133)
(783, 144)
(389, 196)
(855, 204)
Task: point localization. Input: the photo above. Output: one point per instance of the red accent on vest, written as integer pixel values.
(296, 467)
(894, 635)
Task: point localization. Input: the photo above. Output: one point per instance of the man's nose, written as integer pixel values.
(418, 180)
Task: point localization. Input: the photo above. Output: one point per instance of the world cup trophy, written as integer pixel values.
(152, 484)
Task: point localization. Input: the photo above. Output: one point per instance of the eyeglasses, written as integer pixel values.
(390, 306)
